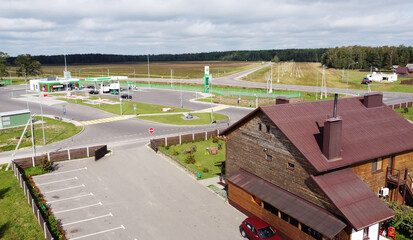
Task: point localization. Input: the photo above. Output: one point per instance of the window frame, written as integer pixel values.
(377, 165)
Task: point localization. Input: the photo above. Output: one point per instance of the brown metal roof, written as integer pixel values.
(311, 215)
(353, 198)
(402, 70)
(367, 133)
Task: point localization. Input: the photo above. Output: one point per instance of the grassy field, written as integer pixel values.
(182, 70)
(177, 119)
(16, 219)
(405, 112)
(306, 74)
(202, 158)
(54, 131)
(127, 106)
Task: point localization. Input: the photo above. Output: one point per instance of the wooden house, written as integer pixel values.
(316, 170)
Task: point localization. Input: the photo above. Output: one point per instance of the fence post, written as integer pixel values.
(180, 139)
(68, 153)
(166, 142)
(217, 132)
(193, 136)
(206, 135)
(87, 150)
(34, 164)
(33, 205)
(48, 156)
(38, 217)
(44, 229)
(24, 189)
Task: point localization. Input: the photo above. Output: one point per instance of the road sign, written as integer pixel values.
(134, 108)
(151, 130)
(134, 105)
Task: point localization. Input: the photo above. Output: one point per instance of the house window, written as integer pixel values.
(377, 165)
(284, 217)
(311, 232)
(270, 208)
(268, 128)
(366, 233)
(256, 200)
(290, 166)
(268, 157)
(259, 127)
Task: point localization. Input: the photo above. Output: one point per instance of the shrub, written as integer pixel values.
(215, 139)
(219, 146)
(46, 164)
(205, 170)
(193, 148)
(403, 219)
(186, 141)
(163, 144)
(190, 159)
(167, 147)
(176, 152)
(193, 141)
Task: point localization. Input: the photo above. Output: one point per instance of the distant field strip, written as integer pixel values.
(104, 120)
(215, 109)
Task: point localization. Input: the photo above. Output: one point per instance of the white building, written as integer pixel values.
(379, 77)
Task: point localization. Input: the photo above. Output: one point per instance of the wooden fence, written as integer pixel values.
(30, 200)
(401, 105)
(58, 156)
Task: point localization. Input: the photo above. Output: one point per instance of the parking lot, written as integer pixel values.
(135, 194)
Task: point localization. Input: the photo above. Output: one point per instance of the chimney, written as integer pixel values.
(373, 99)
(332, 134)
(281, 100)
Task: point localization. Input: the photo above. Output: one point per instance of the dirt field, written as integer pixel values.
(183, 70)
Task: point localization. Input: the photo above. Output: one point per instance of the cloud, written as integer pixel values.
(181, 26)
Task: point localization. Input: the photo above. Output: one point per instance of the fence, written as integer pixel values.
(155, 143)
(30, 200)
(401, 105)
(58, 156)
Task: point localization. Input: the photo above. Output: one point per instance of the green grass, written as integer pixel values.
(38, 170)
(127, 106)
(54, 131)
(405, 112)
(176, 119)
(202, 157)
(16, 219)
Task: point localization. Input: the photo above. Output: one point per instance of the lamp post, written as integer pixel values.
(348, 70)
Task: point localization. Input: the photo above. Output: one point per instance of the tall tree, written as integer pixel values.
(3, 65)
(26, 66)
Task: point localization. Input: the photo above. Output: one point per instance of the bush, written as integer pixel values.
(193, 148)
(215, 139)
(167, 147)
(186, 141)
(46, 164)
(402, 221)
(205, 170)
(163, 144)
(219, 146)
(190, 159)
(176, 152)
(193, 141)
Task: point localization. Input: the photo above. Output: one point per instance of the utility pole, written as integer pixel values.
(270, 91)
(316, 88)
(278, 78)
(171, 76)
(41, 112)
(210, 92)
(120, 106)
(149, 75)
(34, 147)
(180, 92)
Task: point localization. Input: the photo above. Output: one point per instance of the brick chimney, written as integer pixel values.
(332, 134)
(281, 100)
(373, 99)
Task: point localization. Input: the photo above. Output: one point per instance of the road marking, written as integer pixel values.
(96, 233)
(49, 174)
(103, 120)
(64, 199)
(63, 189)
(74, 209)
(89, 219)
(68, 179)
(215, 109)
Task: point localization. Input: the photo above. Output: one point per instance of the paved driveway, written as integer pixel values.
(136, 194)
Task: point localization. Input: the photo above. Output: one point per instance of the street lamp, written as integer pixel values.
(348, 70)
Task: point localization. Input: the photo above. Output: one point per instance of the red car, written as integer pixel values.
(255, 228)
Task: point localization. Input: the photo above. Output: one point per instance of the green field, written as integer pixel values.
(202, 158)
(305, 73)
(16, 219)
(127, 106)
(405, 112)
(176, 119)
(55, 131)
(181, 70)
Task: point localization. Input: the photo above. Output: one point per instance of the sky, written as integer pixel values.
(135, 27)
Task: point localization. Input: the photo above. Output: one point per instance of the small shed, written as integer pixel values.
(14, 118)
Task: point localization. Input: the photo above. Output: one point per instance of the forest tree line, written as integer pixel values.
(367, 57)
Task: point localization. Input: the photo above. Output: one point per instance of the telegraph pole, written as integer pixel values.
(149, 75)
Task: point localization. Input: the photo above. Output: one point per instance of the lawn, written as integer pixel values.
(181, 70)
(202, 158)
(55, 131)
(16, 219)
(405, 112)
(305, 73)
(127, 106)
(177, 119)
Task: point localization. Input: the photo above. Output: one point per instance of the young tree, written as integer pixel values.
(3, 65)
(275, 59)
(26, 66)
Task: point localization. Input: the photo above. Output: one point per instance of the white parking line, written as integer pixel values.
(63, 189)
(89, 219)
(64, 199)
(49, 174)
(73, 209)
(63, 180)
(113, 229)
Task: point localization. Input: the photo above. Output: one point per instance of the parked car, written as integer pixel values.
(366, 81)
(91, 86)
(126, 96)
(255, 228)
(93, 92)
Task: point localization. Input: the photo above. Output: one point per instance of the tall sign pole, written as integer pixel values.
(210, 91)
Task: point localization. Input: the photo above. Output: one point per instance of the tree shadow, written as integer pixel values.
(4, 191)
(4, 228)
